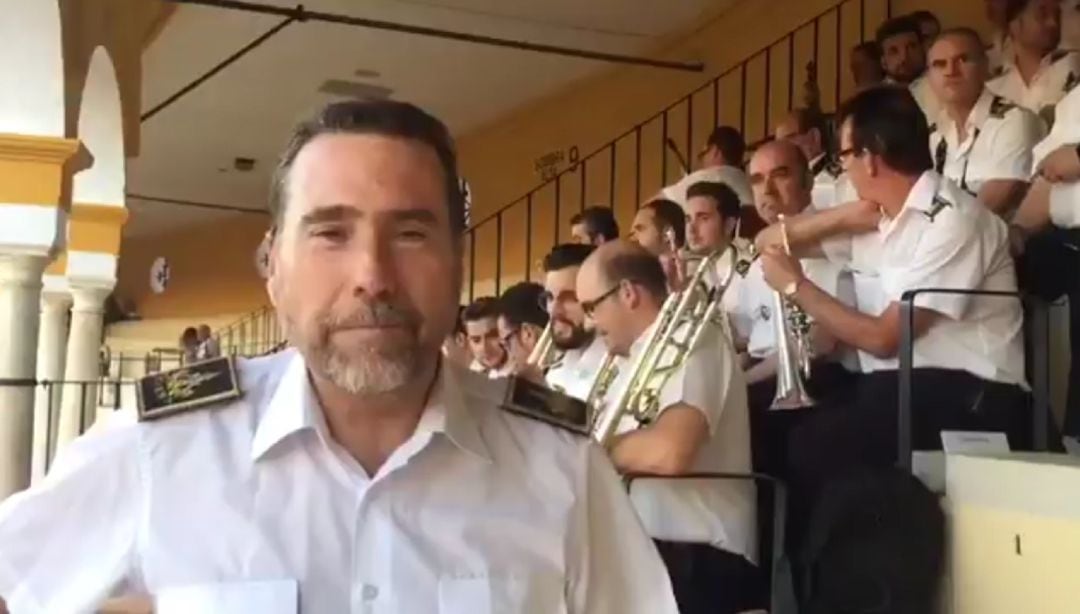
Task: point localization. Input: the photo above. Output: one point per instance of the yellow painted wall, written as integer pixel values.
(212, 269)
(499, 159)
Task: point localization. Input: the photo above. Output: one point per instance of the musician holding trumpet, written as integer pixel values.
(705, 530)
(913, 229)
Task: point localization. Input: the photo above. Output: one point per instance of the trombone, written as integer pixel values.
(791, 328)
(683, 318)
(544, 354)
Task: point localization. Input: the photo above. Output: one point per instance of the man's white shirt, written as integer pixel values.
(734, 178)
(997, 145)
(253, 501)
(1064, 197)
(576, 370)
(720, 513)
(1056, 76)
(828, 180)
(925, 96)
(942, 238)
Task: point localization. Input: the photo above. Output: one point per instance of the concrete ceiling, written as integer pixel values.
(247, 110)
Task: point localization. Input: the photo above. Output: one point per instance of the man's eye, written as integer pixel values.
(330, 234)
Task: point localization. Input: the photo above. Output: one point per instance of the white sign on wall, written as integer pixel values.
(159, 275)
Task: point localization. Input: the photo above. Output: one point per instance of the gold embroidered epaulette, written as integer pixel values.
(538, 402)
(190, 387)
(1000, 106)
(834, 168)
(742, 266)
(939, 205)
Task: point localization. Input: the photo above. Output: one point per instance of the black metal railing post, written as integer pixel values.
(558, 207)
(611, 178)
(528, 236)
(637, 167)
(663, 149)
(472, 265)
(498, 254)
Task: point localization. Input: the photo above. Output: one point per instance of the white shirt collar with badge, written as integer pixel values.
(1064, 197)
(1057, 75)
(997, 146)
(720, 513)
(251, 507)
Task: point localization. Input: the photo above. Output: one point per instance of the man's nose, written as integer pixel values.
(373, 269)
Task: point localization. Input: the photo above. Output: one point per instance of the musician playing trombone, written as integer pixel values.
(705, 530)
(783, 186)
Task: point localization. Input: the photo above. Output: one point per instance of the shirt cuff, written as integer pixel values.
(1065, 205)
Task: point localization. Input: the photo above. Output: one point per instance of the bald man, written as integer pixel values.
(705, 530)
(782, 185)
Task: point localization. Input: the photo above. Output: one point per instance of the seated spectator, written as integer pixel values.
(904, 60)
(721, 162)
(208, 346)
(189, 345)
(594, 226)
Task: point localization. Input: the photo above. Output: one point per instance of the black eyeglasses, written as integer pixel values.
(589, 307)
(509, 338)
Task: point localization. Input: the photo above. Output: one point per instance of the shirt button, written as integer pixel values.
(369, 592)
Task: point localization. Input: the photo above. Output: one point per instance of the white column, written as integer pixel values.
(20, 294)
(79, 405)
(52, 347)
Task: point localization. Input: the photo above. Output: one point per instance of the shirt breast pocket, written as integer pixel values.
(259, 597)
(504, 594)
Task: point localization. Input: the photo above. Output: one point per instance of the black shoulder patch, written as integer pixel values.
(1057, 54)
(834, 169)
(939, 205)
(742, 266)
(1000, 106)
(538, 402)
(190, 387)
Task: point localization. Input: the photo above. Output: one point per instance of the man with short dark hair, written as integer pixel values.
(929, 26)
(482, 334)
(1035, 73)
(912, 230)
(571, 331)
(981, 141)
(521, 321)
(347, 476)
(705, 530)
(594, 226)
(903, 58)
(712, 217)
(721, 162)
(660, 227)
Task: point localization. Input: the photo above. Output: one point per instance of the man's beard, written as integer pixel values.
(379, 367)
(579, 337)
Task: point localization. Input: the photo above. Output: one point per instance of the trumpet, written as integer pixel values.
(544, 354)
(791, 328)
(681, 321)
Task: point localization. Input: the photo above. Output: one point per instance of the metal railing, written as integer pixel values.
(256, 333)
(94, 396)
(616, 171)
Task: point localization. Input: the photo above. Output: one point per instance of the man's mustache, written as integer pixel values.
(379, 314)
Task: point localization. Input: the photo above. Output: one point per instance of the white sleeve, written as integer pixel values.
(1012, 147)
(948, 255)
(68, 543)
(615, 568)
(704, 378)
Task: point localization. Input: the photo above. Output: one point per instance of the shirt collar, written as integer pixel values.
(639, 344)
(975, 119)
(293, 408)
(921, 196)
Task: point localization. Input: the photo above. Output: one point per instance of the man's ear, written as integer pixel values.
(271, 265)
(731, 225)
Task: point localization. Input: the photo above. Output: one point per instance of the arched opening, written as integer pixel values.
(101, 130)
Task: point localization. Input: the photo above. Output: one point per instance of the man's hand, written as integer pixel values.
(528, 372)
(861, 216)
(675, 271)
(780, 269)
(1062, 165)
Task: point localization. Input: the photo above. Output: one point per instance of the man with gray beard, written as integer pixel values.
(356, 472)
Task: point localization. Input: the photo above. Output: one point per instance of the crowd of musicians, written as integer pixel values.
(947, 184)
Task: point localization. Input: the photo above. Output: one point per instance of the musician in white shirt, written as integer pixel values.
(482, 334)
(712, 217)
(904, 59)
(778, 173)
(721, 161)
(1036, 73)
(916, 230)
(521, 321)
(701, 425)
(580, 352)
(1047, 233)
(981, 141)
